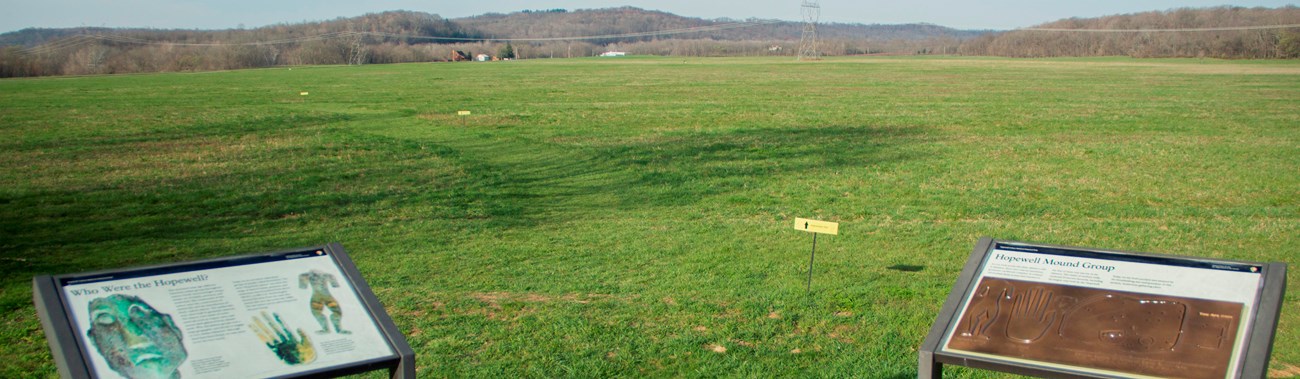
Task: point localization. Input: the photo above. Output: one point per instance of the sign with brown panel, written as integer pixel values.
(1074, 312)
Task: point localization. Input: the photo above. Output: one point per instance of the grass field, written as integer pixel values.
(631, 217)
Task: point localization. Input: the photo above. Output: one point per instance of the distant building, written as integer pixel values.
(613, 54)
(482, 57)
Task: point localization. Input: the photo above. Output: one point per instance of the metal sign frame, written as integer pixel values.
(67, 342)
(1254, 352)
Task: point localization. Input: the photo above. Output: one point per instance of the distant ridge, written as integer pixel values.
(405, 36)
(1219, 32)
(588, 22)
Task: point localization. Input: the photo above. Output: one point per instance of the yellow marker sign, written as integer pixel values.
(303, 93)
(462, 113)
(814, 226)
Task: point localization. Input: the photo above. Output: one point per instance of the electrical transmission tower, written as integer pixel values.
(808, 44)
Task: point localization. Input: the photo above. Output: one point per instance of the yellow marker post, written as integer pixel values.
(462, 115)
(815, 227)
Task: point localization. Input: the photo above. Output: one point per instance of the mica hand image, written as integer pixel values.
(320, 283)
(291, 349)
(1032, 316)
(1129, 323)
(137, 341)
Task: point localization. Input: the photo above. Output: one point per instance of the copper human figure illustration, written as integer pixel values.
(321, 298)
(135, 339)
(986, 307)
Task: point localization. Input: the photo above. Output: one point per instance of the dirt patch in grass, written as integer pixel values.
(496, 298)
(842, 332)
(506, 306)
(1283, 370)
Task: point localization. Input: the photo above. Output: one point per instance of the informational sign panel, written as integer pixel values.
(1030, 308)
(292, 313)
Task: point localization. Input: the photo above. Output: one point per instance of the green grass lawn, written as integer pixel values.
(632, 217)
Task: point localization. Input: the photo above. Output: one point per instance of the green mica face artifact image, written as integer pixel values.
(135, 339)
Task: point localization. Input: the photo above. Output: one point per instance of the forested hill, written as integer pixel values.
(403, 36)
(541, 24)
(555, 23)
(405, 23)
(1220, 32)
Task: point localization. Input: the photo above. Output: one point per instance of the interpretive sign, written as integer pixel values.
(303, 312)
(1077, 312)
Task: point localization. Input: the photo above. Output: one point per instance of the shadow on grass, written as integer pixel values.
(537, 181)
(320, 176)
(343, 176)
(684, 169)
(906, 268)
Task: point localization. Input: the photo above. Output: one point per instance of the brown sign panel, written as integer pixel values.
(1108, 330)
(1071, 312)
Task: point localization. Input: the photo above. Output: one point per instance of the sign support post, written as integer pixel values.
(811, 257)
(463, 115)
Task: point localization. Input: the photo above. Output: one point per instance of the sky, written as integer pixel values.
(225, 14)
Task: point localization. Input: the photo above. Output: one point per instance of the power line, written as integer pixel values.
(67, 43)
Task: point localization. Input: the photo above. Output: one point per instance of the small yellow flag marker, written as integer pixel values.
(462, 113)
(814, 226)
(303, 93)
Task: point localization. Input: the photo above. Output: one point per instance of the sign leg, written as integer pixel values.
(811, 257)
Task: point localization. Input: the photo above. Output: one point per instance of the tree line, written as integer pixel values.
(388, 37)
(1220, 32)
(401, 37)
